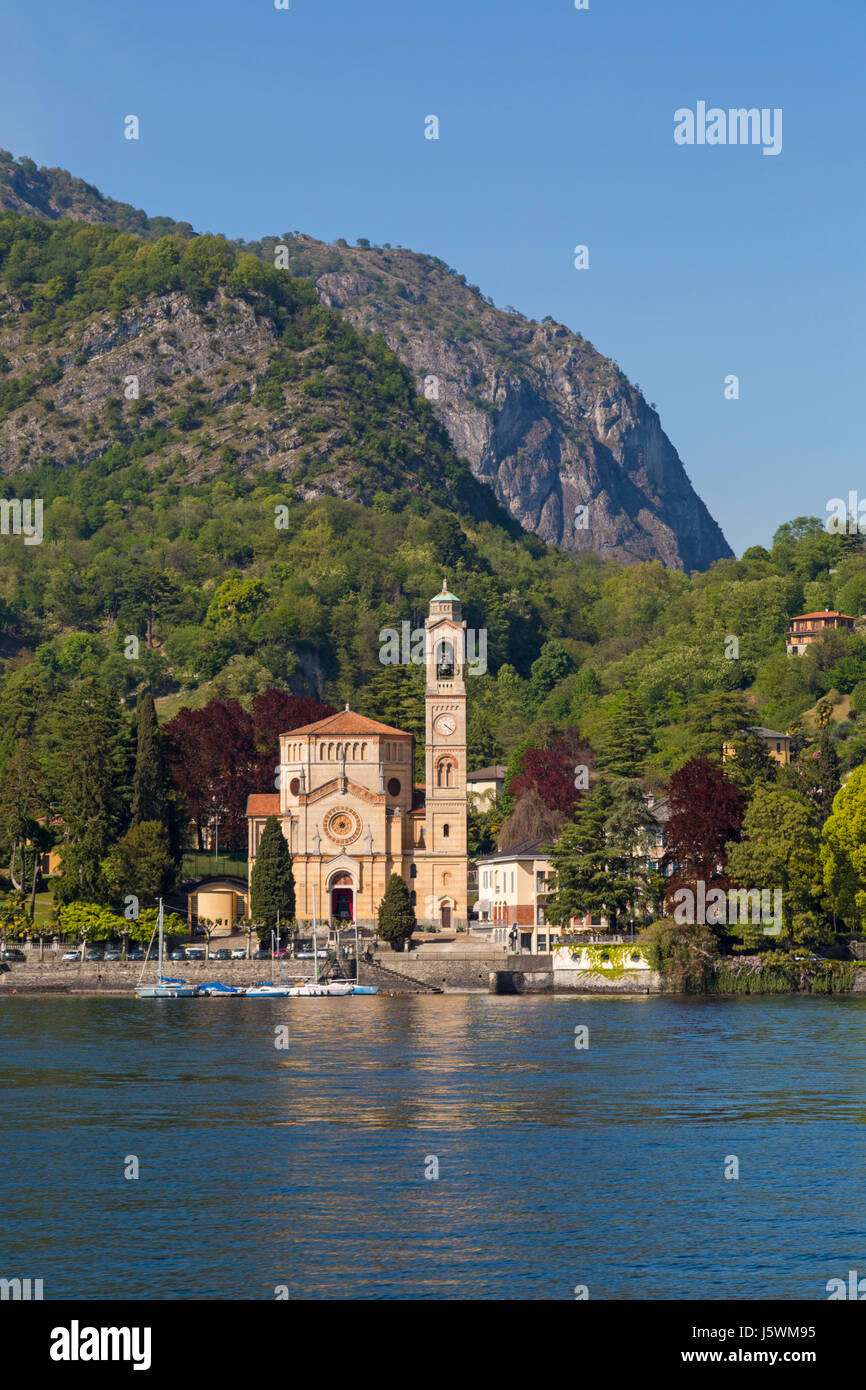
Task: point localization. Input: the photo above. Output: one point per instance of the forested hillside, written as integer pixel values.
(540, 415)
(238, 530)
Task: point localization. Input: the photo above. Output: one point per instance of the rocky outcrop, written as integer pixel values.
(545, 419)
(542, 417)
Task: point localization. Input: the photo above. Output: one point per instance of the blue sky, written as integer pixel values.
(556, 128)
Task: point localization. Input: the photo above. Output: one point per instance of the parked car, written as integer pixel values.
(261, 955)
(239, 953)
(93, 955)
(222, 954)
(177, 955)
(111, 955)
(194, 953)
(309, 955)
(11, 953)
(135, 955)
(71, 955)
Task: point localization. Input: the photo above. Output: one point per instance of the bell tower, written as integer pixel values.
(445, 815)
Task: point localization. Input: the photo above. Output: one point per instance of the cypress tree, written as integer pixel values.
(150, 796)
(272, 882)
(396, 913)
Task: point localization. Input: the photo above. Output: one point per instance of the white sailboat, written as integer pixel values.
(270, 991)
(326, 989)
(165, 987)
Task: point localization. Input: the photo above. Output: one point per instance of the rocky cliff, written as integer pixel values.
(544, 418)
(567, 444)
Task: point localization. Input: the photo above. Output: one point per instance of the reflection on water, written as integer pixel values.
(305, 1166)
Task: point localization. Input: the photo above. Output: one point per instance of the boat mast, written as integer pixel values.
(315, 941)
(159, 975)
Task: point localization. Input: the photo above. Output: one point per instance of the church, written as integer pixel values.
(351, 812)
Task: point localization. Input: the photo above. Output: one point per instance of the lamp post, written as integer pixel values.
(218, 810)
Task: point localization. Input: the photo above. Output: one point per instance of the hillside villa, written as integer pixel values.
(808, 627)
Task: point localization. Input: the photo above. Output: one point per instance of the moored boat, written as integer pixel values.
(165, 987)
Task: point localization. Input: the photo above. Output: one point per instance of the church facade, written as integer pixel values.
(351, 812)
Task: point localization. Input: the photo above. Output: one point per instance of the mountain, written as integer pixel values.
(544, 419)
(541, 416)
(189, 358)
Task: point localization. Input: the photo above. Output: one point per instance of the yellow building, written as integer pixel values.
(778, 745)
(221, 900)
(349, 808)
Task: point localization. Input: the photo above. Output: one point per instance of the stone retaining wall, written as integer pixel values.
(119, 977)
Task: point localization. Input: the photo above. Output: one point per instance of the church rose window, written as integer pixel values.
(393, 786)
(342, 826)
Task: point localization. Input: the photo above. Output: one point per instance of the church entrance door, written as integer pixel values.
(342, 905)
(445, 913)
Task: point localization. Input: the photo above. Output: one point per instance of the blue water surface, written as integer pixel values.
(307, 1166)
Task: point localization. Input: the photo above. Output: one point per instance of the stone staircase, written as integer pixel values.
(373, 973)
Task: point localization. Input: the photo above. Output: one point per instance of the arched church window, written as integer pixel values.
(413, 870)
(446, 831)
(444, 773)
(363, 752)
(445, 661)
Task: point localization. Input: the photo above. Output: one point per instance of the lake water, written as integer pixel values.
(558, 1167)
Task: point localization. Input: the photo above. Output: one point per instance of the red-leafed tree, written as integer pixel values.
(552, 772)
(211, 754)
(706, 812)
(277, 712)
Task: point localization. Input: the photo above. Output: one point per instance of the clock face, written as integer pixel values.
(445, 724)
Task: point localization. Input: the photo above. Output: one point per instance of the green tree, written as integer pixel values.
(713, 719)
(396, 916)
(627, 741)
(552, 664)
(843, 852)
(235, 600)
(88, 764)
(594, 867)
(141, 864)
(749, 764)
(779, 849)
(828, 773)
(150, 795)
(86, 921)
(272, 882)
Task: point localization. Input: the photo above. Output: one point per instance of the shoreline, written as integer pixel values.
(419, 973)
